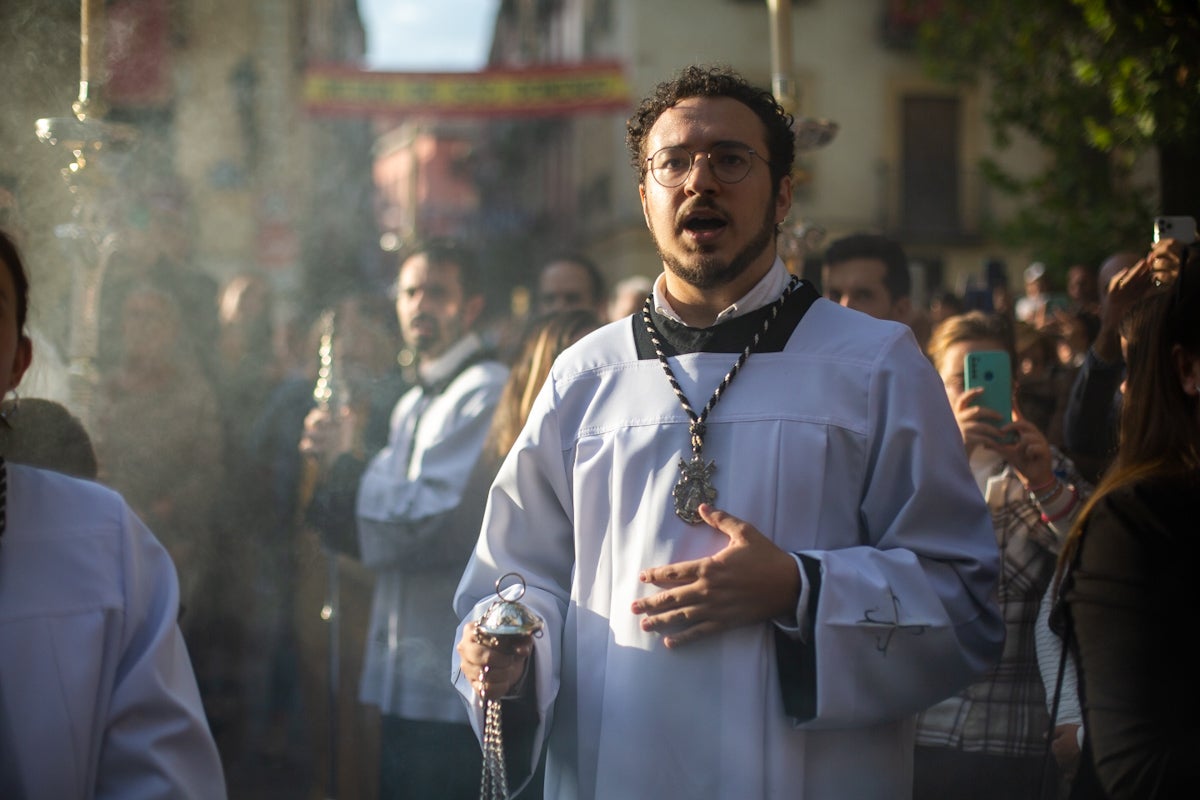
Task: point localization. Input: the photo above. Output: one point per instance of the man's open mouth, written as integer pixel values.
(701, 223)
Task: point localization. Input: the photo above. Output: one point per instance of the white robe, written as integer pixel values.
(842, 448)
(97, 694)
(407, 495)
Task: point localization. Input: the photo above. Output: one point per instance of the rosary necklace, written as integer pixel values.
(695, 477)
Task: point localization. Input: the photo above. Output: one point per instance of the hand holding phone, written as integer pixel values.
(991, 370)
(1181, 229)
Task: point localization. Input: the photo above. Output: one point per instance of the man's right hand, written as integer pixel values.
(493, 671)
(327, 434)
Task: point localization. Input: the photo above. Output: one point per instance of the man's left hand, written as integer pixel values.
(748, 582)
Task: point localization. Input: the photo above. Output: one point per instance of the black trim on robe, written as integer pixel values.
(727, 337)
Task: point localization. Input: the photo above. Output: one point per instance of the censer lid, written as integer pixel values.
(506, 616)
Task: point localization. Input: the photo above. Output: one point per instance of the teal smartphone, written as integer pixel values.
(991, 370)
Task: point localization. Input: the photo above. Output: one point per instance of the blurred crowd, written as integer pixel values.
(202, 402)
(250, 445)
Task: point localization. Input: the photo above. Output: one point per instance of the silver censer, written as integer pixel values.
(502, 624)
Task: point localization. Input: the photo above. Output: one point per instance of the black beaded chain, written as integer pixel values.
(697, 427)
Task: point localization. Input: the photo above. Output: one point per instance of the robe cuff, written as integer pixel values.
(796, 660)
(796, 627)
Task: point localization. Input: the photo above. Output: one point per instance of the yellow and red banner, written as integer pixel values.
(540, 91)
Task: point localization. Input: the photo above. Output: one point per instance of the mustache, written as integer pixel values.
(426, 319)
(698, 204)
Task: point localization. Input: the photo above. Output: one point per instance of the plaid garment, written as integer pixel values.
(1004, 713)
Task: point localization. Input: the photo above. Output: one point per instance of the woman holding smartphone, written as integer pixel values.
(1131, 558)
(988, 740)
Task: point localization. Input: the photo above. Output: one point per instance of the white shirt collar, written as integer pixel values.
(767, 290)
(438, 369)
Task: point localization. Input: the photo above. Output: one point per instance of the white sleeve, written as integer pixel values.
(403, 497)
(532, 484)
(909, 616)
(157, 743)
(1049, 655)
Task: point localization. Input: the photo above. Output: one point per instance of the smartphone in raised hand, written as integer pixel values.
(1181, 229)
(991, 370)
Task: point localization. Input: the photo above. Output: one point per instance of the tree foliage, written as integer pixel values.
(1098, 84)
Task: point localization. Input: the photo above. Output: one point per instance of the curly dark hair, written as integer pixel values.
(719, 81)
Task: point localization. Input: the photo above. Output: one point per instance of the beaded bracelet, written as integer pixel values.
(1040, 496)
(1065, 511)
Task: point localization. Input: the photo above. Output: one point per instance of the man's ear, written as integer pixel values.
(902, 310)
(783, 199)
(645, 211)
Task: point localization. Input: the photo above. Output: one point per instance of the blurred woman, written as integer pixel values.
(987, 741)
(97, 695)
(547, 336)
(158, 437)
(544, 338)
(1131, 558)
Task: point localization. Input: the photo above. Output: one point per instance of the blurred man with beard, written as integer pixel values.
(744, 513)
(405, 498)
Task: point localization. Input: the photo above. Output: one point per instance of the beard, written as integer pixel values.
(706, 271)
(434, 338)
(428, 339)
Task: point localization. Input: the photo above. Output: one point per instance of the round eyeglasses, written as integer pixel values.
(729, 162)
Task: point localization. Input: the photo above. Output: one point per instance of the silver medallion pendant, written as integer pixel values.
(693, 488)
(695, 476)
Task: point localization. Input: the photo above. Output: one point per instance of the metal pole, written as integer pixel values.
(91, 58)
(97, 151)
(783, 86)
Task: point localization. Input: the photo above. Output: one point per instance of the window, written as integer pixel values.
(929, 166)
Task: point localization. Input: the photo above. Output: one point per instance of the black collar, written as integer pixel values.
(727, 337)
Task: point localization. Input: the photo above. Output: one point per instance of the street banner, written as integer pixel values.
(542, 91)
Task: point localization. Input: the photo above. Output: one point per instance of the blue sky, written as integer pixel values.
(428, 35)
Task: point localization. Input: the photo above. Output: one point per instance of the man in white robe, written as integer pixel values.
(842, 578)
(404, 507)
(97, 694)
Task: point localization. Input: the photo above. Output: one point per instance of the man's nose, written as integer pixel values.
(700, 179)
